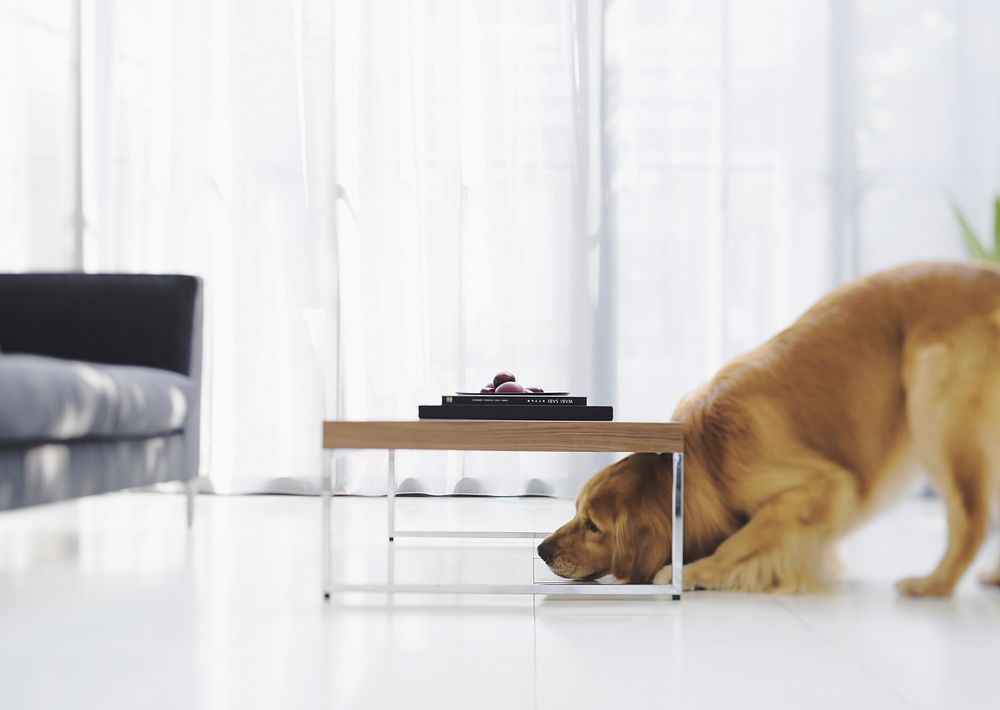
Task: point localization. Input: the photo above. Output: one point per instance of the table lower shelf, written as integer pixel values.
(485, 534)
(551, 588)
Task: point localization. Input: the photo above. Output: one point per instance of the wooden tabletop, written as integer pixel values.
(494, 435)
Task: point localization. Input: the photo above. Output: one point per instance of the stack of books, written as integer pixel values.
(558, 406)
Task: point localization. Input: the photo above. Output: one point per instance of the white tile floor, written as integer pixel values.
(110, 603)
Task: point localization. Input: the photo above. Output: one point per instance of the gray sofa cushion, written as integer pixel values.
(45, 399)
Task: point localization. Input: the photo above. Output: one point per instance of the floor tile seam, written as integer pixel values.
(856, 661)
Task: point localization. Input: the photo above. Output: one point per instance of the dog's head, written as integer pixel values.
(621, 526)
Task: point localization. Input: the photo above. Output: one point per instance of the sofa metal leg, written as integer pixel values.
(190, 491)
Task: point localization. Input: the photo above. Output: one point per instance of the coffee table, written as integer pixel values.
(497, 435)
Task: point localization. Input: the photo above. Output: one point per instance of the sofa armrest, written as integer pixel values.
(118, 319)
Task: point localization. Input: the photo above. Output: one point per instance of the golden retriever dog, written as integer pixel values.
(795, 443)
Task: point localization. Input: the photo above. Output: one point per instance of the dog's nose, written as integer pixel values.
(545, 552)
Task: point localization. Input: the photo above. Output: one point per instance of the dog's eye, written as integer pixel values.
(589, 524)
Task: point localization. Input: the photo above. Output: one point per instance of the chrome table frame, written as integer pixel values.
(560, 588)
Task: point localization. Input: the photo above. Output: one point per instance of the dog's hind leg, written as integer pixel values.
(952, 402)
(992, 577)
(961, 481)
(991, 422)
(786, 542)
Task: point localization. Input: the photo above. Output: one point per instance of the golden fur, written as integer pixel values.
(795, 443)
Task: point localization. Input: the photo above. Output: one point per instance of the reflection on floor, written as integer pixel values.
(110, 602)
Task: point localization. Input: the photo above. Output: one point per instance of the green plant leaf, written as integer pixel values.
(972, 242)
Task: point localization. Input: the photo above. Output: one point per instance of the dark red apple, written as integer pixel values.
(487, 389)
(536, 390)
(509, 388)
(501, 377)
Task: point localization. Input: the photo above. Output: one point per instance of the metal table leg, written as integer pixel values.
(677, 527)
(391, 495)
(325, 533)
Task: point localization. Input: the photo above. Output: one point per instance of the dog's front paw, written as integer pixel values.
(664, 576)
(925, 587)
(990, 579)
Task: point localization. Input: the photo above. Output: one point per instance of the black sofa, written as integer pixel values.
(100, 384)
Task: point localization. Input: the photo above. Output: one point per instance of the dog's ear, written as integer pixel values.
(639, 550)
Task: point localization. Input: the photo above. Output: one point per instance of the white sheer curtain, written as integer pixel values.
(468, 145)
(393, 200)
(609, 197)
(38, 135)
(210, 156)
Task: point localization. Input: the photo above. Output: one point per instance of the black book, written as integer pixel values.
(541, 412)
(523, 399)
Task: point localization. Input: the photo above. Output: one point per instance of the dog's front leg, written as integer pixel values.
(785, 544)
(697, 575)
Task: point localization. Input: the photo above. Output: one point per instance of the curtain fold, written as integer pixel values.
(38, 135)
(393, 200)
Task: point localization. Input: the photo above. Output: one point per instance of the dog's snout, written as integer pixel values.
(545, 551)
